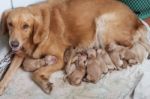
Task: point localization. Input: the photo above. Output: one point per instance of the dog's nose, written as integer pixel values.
(14, 44)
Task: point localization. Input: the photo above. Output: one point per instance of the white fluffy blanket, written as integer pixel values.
(131, 83)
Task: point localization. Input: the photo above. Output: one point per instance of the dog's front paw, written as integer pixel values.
(43, 82)
(47, 87)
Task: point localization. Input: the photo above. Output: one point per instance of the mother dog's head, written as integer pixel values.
(23, 24)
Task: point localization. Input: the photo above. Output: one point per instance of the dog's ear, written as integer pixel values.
(46, 21)
(57, 24)
(3, 27)
(37, 30)
(41, 25)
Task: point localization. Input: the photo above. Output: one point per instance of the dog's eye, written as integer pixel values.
(10, 24)
(25, 26)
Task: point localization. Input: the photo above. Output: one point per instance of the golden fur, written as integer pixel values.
(49, 29)
(121, 55)
(31, 64)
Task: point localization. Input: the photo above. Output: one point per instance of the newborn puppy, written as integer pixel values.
(30, 64)
(121, 56)
(140, 52)
(96, 65)
(106, 59)
(69, 59)
(114, 52)
(77, 70)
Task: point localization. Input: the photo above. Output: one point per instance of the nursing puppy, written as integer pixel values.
(140, 52)
(106, 58)
(94, 61)
(98, 63)
(44, 29)
(94, 69)
(75, 65)
(76, 76)
(121, 56)
(69, 60)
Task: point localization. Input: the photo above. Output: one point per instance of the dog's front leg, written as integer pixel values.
(16, 63)
(41, 76)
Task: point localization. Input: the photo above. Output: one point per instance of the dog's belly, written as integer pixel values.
(117, 23)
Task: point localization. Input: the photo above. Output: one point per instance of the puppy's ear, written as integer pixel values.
(56, 23)
(41, 25)
(3, 27)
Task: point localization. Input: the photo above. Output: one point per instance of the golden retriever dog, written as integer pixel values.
(25, 27)
(49, 29)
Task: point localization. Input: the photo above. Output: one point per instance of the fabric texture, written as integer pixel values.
(115, 85)
(140, 7)
(142, 91)
(5, 56)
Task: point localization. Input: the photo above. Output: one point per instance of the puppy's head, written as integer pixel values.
(20, 24)
(111, 47)
(91, 53)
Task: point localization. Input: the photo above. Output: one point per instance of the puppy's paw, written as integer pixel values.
(119, 64)
(49, 60)
(111, 67)
(75, 81)
(90, 79)
(125, 64)
(133, 62)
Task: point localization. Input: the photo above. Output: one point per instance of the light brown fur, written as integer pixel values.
(98, 64)
(94, 67)
(121, 56)
(75, 66)
(77, 70)
(140, 51)
(31, 64)
(106, 58)
(53, 28)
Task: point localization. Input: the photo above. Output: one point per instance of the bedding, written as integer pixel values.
(130, 83)
(5, 56)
